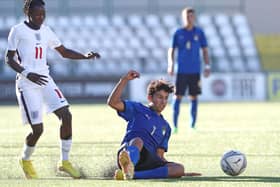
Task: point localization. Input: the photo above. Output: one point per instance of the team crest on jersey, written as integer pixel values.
(188, 45)
(38, 36)
(195, 37)
(34, 114)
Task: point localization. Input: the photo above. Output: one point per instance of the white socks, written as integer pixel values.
(27, 152)
(65, 146)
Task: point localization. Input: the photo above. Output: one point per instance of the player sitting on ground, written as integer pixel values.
(141, 155)
(29, 42)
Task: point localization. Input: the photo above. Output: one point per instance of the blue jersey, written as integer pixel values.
(189, 43)
(145, 123)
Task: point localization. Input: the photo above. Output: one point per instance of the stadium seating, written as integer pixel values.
(169, 21)
(141, 42)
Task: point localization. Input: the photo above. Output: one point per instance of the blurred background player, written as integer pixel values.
(26, 54)
(188, 40)
(141, 155)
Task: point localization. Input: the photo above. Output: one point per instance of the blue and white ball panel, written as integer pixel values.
(233, 163)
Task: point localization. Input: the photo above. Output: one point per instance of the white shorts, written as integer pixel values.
(35, 99)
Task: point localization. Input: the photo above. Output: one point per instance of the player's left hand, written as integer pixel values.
(92, 55)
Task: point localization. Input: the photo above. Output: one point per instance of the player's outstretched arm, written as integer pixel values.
(114, 99)
(71, 54)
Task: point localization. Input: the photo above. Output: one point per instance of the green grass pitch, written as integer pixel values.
(252, 128)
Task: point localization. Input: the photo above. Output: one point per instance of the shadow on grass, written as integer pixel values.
(243, 179)
(231, 179)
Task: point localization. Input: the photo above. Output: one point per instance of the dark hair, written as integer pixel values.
(188, 10)
(158, 85)
(29, 4)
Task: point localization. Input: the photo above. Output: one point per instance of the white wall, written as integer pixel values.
(218, 87)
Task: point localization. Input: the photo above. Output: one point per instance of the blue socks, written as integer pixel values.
(157, 173)
(133, 153)
(193, 112)
(176, 111)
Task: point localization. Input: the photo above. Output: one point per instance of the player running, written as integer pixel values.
(28, 43)
(141, 155)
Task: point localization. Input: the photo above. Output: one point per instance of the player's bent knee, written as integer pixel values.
(137, 142)
(178, 97)
(37, 130)
(175, 170)
(64, 113)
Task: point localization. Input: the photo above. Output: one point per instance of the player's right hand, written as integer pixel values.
(37, 78)
(92, 55)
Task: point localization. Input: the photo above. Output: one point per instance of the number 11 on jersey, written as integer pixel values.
(38, 52)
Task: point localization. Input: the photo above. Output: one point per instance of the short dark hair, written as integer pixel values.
(188, 10)
(158, 85)
(29, 4)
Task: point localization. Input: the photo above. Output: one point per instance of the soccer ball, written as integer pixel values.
(233, 162)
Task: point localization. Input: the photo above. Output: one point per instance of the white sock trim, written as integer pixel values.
(65, 146)
(27, 152)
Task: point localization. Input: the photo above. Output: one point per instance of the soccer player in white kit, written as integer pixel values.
(28, 43)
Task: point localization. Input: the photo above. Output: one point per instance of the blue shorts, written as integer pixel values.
(147, 160)
(190, 81)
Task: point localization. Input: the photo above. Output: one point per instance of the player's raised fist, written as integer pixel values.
(132, 75)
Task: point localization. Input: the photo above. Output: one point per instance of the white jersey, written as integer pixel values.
(32, 45)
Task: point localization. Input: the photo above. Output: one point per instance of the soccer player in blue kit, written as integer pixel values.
(141, 155)
(188, 40)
